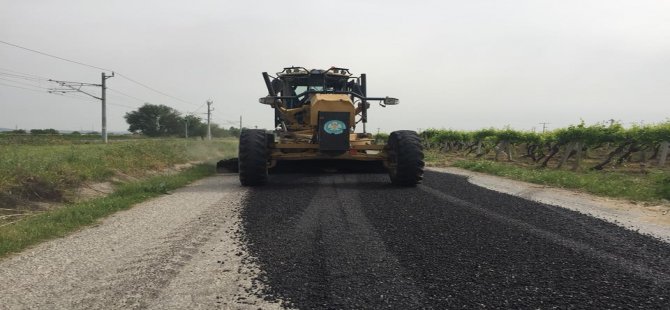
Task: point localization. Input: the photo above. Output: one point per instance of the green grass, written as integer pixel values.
(48, 172)
(46, 139)
(650, 187)
(59, 222)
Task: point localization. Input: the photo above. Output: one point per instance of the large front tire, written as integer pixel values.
(253, 157)
(405, 158)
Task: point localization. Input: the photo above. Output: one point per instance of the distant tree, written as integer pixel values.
(75, 133)
(234, 132)
(217, 131)
(196, 128)
(19, 132)
(381, 137)
(49, 131)
(155, 121)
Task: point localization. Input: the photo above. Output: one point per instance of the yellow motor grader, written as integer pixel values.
(316, 113)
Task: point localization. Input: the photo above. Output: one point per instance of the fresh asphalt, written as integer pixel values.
(353, 241)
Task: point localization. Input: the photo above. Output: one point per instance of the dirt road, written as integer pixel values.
(325, 241)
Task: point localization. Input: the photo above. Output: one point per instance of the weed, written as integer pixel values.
(652, 186)
(47, 172)
(61, 221)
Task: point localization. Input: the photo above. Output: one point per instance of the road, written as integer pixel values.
(349, 241)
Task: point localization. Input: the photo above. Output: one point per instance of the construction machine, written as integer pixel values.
(316, 113)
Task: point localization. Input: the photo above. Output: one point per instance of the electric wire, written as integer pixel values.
(153, 89)
(100, 68)
(35, 90)
(23, 83)
(87, 99)
(54, 56)
(127, 95)
(121, 105)
(27, 78)
(24, 74)
(200, 107)
(31, 77)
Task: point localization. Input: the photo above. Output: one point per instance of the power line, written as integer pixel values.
(24, 74)
(54, 56)
(87, 99)
(44, 91)
(23, 83)
(200, 107)
(99, 68)
(228, 122)
(121, 105)
(113, 99)
(133, 97)
(129, 96)
(22, 77)
(35, 90)
(147, 101)
(153, 89)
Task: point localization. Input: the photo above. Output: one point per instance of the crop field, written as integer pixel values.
(604, 160)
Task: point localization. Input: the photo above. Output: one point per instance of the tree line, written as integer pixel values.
(163, 121)
(153, 121)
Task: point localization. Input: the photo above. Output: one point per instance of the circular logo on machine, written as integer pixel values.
(334, 127)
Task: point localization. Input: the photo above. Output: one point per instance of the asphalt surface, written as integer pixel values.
(341, 241)
(353, 241)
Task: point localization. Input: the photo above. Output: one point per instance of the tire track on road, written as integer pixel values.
(328, 255)
(338, 241)
(657, 276)
(471, 255)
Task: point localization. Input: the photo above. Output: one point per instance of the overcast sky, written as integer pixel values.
(453, 64)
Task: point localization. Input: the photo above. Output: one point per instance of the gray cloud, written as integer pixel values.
(453, 64)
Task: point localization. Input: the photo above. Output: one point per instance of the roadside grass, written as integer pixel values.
(59, 222)
(48, 172)
(653, 186)
(50, 139)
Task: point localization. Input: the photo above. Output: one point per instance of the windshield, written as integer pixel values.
(300, 90)
(300, 86)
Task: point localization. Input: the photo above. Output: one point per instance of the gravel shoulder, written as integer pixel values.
(653, 220)
(177, 251)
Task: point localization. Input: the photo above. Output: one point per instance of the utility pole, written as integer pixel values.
(186, 127)
(544, 127)
(240, 122)
(69, 87)
(209, 118)
(103, 98)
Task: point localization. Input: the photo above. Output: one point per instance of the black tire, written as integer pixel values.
(253, 157)
(405, 158)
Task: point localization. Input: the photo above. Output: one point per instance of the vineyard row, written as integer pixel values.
(612, 145)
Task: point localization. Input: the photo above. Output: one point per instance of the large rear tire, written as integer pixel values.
(253, 157)
(405, 158)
